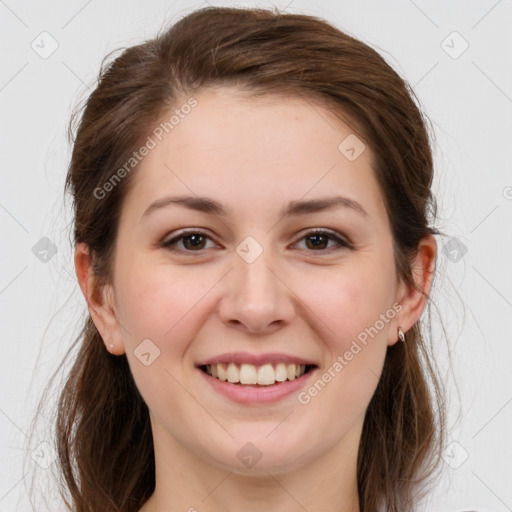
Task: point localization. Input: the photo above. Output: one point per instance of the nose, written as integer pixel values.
(256, 297)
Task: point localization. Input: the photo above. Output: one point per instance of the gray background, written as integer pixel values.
(468, 97)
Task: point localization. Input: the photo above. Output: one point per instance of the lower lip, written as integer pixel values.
(248, 394)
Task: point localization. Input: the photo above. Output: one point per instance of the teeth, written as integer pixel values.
(265, 375)
(222, 375)
(281, 372)
(248, 374)
(233, 374)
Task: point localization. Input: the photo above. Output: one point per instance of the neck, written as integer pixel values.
(185, 482)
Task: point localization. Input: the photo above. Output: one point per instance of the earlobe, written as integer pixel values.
(99, 300)
(413, 297)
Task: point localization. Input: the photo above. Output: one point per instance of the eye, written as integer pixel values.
(193, 241)
(319, 238)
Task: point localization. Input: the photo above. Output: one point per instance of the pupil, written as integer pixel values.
(316, 244)
(190, 237)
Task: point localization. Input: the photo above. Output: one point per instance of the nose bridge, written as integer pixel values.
(255, 280)
(256, 296)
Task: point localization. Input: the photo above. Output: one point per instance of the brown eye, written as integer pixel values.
(318, 240)
(196, 241)
(193, 241)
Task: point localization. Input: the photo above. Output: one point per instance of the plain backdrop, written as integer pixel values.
(455, 55)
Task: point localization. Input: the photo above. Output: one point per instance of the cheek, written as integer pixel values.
(357, 306)
(351, 306)
(158, 304)
(350, 301)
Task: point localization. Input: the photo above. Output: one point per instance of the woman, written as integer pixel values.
(254, 240)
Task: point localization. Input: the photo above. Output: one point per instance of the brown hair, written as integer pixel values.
(103, 434)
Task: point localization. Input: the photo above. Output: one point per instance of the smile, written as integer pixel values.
(270, 390)
(249, 374)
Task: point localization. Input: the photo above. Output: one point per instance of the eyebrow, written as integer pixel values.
(294, 208)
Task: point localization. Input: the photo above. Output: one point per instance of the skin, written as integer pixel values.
(254, 156)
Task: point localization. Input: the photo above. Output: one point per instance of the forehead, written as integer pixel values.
(270, 147)
(273, 122)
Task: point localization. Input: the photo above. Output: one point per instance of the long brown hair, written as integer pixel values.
(103, 433)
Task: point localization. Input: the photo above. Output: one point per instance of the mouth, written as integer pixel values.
(257, 376)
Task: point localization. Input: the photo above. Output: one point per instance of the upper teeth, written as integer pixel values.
(249, 374)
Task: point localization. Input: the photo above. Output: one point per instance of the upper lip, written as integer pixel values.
(255, 359)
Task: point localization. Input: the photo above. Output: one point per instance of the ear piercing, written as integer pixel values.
(401, 335)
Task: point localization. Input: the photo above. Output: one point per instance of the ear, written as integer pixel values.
(413, 298)
(100, 301)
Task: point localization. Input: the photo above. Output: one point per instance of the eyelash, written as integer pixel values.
(168, 244)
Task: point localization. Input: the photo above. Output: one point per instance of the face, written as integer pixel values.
(316, 285)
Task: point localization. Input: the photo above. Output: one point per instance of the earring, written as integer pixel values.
(401, 335)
